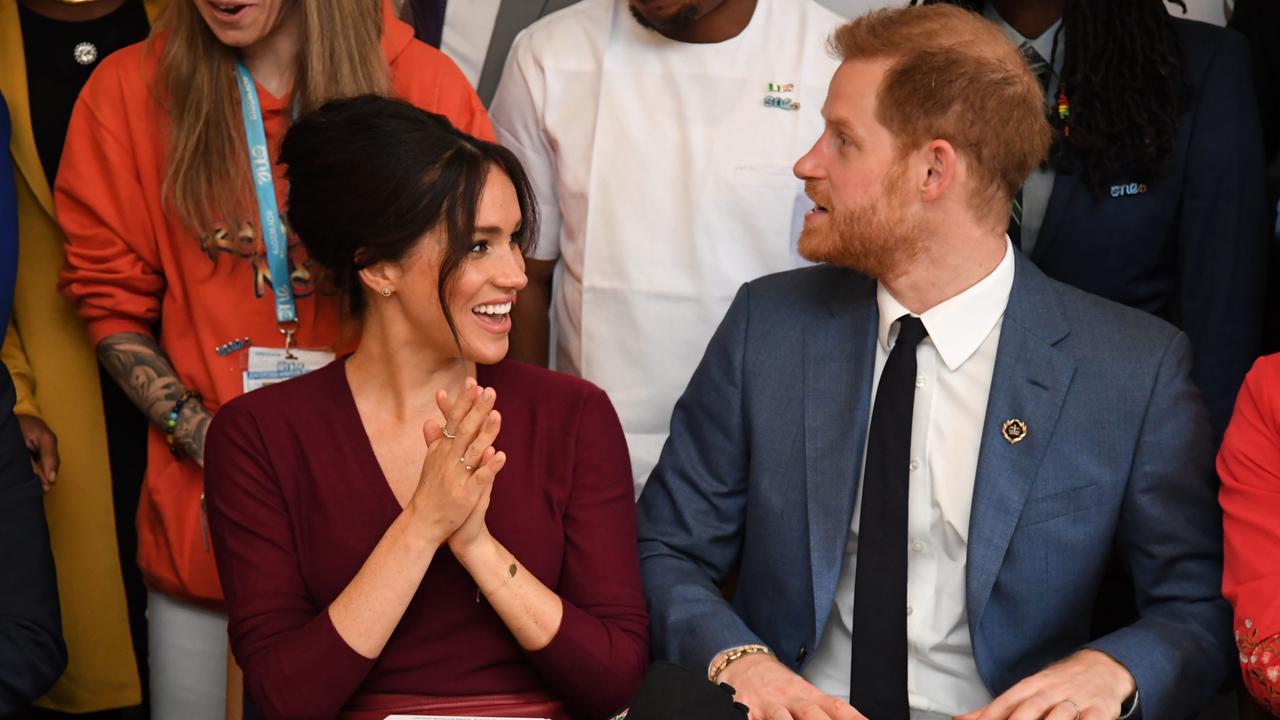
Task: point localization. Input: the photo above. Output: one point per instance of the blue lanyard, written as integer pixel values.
(269, 223)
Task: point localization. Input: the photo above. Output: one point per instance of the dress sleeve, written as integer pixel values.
(1249, 466)
(113, 271)
(597, 659)
(295, 663)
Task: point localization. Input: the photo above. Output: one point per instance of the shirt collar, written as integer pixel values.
(1042, 44)
(957, 326)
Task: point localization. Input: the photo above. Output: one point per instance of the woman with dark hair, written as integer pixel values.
(1153, 194)
(372, 563)
(186, 277)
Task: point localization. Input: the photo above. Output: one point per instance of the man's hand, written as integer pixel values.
(43, 446)
(773, 692)
(1097, 684)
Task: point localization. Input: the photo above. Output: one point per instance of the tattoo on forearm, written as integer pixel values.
(140, 367)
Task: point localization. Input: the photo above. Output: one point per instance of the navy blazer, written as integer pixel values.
(1191, 246)
(762, 466)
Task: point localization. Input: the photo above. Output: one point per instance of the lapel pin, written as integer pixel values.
(1014, 430)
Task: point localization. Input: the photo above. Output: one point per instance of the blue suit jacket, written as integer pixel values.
(764, 458)
(1191, 246)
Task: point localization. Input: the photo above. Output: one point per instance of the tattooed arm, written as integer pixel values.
(140, 367)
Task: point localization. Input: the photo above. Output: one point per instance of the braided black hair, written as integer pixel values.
(1125, 84)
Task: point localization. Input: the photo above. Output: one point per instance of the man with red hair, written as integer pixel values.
(920, 454)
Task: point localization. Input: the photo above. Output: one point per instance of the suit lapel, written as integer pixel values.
(1064, 191)
(1029, 383)
(513, 16)
(839, 365)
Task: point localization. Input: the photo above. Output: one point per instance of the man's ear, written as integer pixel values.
(941, 162)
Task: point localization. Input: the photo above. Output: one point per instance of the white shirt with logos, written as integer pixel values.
(663, 172)
(954, 369)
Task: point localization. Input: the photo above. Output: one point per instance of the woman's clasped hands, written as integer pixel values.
(457, 477)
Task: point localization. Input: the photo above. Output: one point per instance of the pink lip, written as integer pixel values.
(815, 215)
(498, 325)
(508, 299)
(224, 19)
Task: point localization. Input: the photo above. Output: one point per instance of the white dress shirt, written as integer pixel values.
(954, 367)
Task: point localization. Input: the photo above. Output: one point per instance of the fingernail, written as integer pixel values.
(53, 477)
(488, 393)
(470, 383)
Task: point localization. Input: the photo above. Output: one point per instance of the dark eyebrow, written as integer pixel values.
(488, 230)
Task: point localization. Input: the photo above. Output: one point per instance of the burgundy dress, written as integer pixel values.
(297, 502)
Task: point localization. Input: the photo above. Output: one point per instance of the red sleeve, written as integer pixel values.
(295, 663)
(113, 270)
(605, 625)
(1249, 466)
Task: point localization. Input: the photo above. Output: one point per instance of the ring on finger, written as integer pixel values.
(1073, 705)
(448, 434)
(469, 468)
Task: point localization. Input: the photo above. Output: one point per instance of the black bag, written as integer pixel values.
(670, 692)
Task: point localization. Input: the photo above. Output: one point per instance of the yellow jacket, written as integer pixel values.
(55, 372)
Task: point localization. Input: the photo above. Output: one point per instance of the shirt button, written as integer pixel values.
(917, 546)
(909, 610)
(915, 465)
(920, 381)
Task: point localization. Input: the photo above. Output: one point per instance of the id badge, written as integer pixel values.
(268, 366)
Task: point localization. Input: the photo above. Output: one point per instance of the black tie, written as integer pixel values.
(878, 682)
(1043, 71)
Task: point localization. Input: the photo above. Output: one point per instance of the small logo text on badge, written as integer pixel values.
(781, 103)
(782, 87)
(1125, 189)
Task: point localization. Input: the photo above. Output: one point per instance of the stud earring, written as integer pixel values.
(386, 292)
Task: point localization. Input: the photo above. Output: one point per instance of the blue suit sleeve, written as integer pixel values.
(32, 653)
(8, 224)
(1180, 650)
(691, 514)
(1222, 231)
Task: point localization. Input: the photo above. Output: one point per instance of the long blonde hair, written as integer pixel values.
(207, 177)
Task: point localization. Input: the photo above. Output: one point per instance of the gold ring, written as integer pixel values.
(1074, 706)
(445, 430)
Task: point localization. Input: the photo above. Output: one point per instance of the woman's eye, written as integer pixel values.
(479, 246)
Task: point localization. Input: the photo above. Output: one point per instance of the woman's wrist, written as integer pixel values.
(423, 532)
(486, 561)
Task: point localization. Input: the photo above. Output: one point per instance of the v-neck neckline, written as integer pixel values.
(365, 442)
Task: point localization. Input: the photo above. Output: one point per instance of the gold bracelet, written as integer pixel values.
(728, 656)
(511, 573)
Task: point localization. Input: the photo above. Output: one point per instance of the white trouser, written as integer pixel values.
(188, 646)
